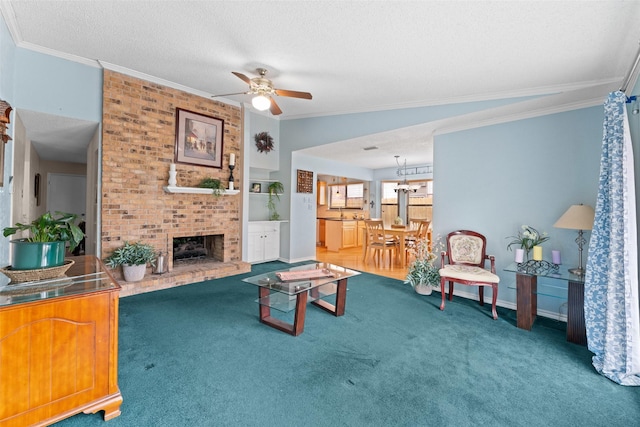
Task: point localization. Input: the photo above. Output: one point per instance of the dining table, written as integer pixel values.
(401, 233)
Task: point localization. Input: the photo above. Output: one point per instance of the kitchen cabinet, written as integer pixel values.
(263, 241)
(59, 347)
(361, 230)
(340, 234)
(321, 232)
(349, 234)
(322, 193)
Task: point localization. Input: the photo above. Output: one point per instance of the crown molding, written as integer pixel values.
(521, 93)
(163, 82)
(10, 19)
(553, 104)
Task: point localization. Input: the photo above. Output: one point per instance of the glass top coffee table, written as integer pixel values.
(290, 289)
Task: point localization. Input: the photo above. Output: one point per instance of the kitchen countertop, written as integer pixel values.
(342, 219)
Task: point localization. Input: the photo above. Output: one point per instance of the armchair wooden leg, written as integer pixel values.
(481, 294)
(442, 293)
(494, 299)
(450, 291)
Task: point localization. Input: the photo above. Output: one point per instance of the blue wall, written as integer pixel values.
(7, 53)
(34, 81)
(494, 179)
(57, 86)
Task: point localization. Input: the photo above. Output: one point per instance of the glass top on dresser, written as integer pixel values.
(279, 282)
(87, 274)
(544, 269)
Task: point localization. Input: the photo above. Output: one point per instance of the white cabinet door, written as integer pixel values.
(255, 252)
(263, 242)
(271, 243)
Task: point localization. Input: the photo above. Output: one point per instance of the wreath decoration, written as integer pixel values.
(264, 142)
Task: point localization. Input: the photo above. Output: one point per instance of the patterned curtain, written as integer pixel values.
(611, 283)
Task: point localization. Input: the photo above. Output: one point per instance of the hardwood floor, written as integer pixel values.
(352, 258)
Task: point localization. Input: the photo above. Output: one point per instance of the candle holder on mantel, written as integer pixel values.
(172, 175)
(231, 168)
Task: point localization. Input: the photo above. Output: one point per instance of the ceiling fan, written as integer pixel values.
(264, 91)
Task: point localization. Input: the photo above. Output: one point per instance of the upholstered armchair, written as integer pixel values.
(466, 253)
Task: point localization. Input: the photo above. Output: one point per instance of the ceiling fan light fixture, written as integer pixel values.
(261, 103)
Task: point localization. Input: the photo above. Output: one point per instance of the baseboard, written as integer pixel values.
(507, 304)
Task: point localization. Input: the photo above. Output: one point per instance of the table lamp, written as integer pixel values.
(577, 217)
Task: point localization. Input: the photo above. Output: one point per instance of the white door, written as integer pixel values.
(67, 193)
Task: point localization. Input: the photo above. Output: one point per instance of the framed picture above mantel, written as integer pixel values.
(198, 139)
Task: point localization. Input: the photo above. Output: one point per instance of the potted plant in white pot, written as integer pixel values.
(133, 257)
(45, 246)
(423, 274)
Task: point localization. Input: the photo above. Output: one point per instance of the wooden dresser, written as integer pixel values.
(59, 346)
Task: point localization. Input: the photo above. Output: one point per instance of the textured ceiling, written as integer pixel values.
(352, 56)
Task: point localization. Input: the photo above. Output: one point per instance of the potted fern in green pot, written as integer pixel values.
(46, 245)
(133, 257)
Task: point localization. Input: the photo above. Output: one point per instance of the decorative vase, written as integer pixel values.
(35, 255)
(423, 289)
(134, 273)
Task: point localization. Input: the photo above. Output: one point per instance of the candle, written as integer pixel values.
(519, 255)
(555, 256)
(172, 167)
(232, 159)
(537, 253)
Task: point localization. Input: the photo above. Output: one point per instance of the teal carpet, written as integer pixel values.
(197, 355)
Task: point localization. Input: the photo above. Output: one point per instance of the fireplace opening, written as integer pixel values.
(198, 248)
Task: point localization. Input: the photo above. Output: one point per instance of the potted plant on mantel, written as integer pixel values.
(214, 184)
(133, 257)
(274, 189)
(423, 274)
(45, 247)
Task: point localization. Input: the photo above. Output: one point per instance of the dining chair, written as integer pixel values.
(466, 253)
(378, 242)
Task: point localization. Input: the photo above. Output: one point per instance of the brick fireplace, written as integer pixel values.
(138, 145)
(197, 249)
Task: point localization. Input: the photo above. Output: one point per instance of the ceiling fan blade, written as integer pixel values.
(229, 94)
(275, 110)
(292, 93)
(242, 77)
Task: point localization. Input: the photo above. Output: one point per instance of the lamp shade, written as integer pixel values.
(261, 102)
(577, 217)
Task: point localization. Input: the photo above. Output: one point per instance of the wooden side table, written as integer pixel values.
(527, 302)
(59, 346)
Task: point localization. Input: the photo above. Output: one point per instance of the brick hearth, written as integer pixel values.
(184, 274)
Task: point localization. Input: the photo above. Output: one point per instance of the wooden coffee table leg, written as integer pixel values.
(294, 329)
(576, 330)
(341, 300)
(526, 300)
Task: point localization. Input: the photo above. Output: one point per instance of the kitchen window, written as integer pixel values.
(346, 196)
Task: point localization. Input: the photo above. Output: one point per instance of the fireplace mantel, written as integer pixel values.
(197, 190)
